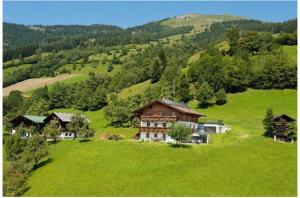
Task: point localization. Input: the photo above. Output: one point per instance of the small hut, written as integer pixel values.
(280, 123)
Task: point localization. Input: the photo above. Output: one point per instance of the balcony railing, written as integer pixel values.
(153, 129)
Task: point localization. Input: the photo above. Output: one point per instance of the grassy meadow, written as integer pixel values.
(239, 163)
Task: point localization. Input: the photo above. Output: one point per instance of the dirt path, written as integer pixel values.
(34, 83)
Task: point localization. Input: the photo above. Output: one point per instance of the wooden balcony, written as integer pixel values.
(153, 129)
(158, 117)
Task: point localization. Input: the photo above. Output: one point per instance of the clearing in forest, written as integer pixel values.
(34, 83)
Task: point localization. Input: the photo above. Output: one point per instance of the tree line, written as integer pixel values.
(24, 41)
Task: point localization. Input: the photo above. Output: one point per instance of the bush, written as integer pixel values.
(205, 95)
(179, 132)
(221, 97)
(110, 67)
(115, 137)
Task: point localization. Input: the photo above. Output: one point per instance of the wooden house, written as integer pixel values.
(63, 119)
(27, 121)
(280, 124)
(156, 118)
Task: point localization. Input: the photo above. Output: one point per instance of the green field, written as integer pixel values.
(199, 21)
(291, 51)
(239, 163)
(135, 89)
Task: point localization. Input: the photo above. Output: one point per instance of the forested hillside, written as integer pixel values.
(255, 57)
(23, 41)
(226, 67)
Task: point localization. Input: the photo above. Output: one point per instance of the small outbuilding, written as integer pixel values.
(280, 124)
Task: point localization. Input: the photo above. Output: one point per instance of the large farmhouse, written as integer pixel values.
(156, 118)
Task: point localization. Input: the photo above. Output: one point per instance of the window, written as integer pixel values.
(164, 136)
(210, 129)
(155, 124)
(70, 134)
(165, 125)
(148, 124)
(147, 135)
(155, 135)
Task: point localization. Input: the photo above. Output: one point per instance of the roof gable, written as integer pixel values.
(63, 117)
(180, 107)
(32, 118)
(283, 117)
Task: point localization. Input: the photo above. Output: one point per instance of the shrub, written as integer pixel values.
(221, 97)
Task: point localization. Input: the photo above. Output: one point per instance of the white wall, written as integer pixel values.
(192, 125)
(66, 135)
(219, 127)
(152, 124)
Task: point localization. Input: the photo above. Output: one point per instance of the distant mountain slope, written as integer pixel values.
(198, 21)
(24, 40)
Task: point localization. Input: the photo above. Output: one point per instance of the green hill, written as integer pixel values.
(239, 163)
(198, 21)
(291, 51)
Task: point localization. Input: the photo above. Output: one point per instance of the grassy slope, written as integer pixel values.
(291, 51)
(240, 163)
(135, 89)
(199, 21)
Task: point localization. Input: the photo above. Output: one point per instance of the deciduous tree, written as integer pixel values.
(179, 132)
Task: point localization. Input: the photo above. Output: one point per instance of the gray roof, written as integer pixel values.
(172, 102)
(65, 117)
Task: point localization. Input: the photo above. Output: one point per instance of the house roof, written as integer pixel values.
(284, 116)
(65, 117)
(181, 107)
(32, 118)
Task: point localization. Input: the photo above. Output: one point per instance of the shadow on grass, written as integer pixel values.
(180, 146)
(24, 190)
(52, 142)
(42, 163)
(84, 140)
(204, 106)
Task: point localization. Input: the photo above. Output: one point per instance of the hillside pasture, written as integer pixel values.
(34, 83)
(198, 21)
(134, 90)
(291, 51)
(239, 163)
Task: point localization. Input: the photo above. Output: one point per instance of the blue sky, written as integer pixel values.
(126, 14)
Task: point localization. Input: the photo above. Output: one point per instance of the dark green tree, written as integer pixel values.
(205, 95)
(155, 70)
(221, 97)
(40, 107)
(80, 126)
(183, 91)
(117, 111)
(36, 149)
(15, 174)
(110, 67)
(237, 79)
(51, 130)
(291, 131)
(269, 123)
(233, 37)
(14, 146)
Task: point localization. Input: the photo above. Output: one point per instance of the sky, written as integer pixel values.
(131, 13)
